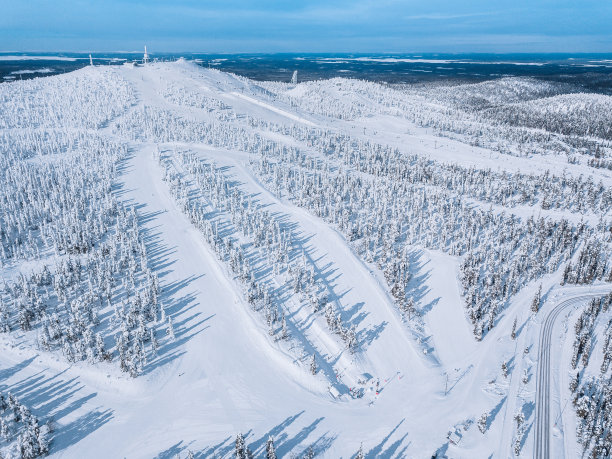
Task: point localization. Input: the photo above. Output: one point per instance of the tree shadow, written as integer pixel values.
(528, 409)
(285, 447)
(9, 372)
(321, 444)
(377, 451)
(172, 452)
(220, 449)
(78, 429)
(50, 397)
(493, 413)
(525, 435)
(275, 432)
(366, 337)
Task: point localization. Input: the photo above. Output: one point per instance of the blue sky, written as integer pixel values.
(393, 26)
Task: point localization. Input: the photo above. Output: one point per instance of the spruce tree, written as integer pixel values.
(240, 447)
(313, 366)
(482, 422)
(535, 303)
(360, 454)
(270, 449)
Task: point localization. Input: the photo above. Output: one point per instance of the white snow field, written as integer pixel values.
(178, 245)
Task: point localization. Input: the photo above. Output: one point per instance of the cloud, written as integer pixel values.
(446, 17)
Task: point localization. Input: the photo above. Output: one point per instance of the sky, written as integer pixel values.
(317, 26)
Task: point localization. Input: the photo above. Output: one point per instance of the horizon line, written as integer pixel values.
(388, 53)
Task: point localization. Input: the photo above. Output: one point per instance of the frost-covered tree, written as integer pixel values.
(537, 299)
(270, 449)
(482, 422)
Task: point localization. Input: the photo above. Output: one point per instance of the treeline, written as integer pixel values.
(592, 384)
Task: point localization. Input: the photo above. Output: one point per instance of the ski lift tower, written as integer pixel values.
(145, 58)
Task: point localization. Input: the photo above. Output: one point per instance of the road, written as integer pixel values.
(543, 389)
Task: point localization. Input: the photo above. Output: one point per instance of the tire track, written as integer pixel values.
(542, 414)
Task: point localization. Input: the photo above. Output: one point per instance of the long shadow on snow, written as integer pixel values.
(325, 274)
(495, 411)
(285, 444)
(281, 293)
(51, 398)
(9, 372)
(80, 428)
(227, 229)
(159, 259)
(283, 448)
(173, 452)
(258, 447)
(378, 452)
(122, 167)
(353, 316)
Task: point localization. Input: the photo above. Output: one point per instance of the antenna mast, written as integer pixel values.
(145, 58)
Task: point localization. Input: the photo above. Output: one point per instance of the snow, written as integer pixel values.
(274, 109)
(225, 374)
(24, 72)
(445, 320)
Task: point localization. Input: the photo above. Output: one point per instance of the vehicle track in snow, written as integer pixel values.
(543, 389)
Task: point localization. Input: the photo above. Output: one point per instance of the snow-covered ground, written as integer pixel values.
(419, 377)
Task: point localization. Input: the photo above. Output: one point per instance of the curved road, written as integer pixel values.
(542, 415)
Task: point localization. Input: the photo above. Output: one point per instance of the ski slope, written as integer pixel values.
(420, 378)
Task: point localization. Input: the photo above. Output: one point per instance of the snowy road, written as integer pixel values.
(543, 385)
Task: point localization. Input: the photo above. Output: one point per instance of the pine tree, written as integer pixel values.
(360, 454)
(409, 308)
(504, 368)
(313, 366)
(42, 438)
(170, 329)
(517, 444)
(284, 330)
(575, 382)
(4, 430)
(519, 417)
(270, 449)
(154, 345)
(482, 422)
(100, 350)
(535, 303)
(240, 447)
(28, 444)
(513, 333)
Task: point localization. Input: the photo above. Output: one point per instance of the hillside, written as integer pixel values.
(187, 255)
